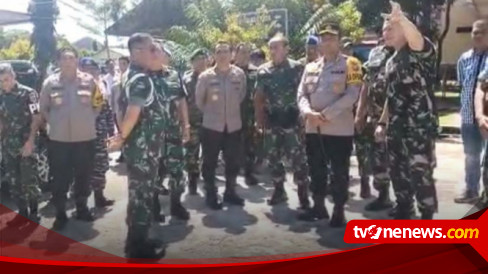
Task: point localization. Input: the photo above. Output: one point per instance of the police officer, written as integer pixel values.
(326, 96)
(70, 102)
(168, 82)
(219, 94)
(277, 116)
(142, 137)
(105, 127)
(241, 59)
(311, 50)
(19, 124)
(409, 118)
(192, 157)
(370, 107)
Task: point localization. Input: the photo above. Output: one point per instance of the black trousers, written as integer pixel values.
(212, 143)
(71, 162)
(336, 150)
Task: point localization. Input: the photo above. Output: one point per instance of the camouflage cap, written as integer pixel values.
(198, 53)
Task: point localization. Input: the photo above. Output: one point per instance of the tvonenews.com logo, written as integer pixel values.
(375, 232)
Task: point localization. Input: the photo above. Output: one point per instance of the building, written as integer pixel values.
(12, 17)
(458, 39)
(115, 53)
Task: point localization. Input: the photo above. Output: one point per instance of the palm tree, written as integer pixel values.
(43, 15)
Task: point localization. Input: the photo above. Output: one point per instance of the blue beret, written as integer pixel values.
(312, 40)
(87, 61)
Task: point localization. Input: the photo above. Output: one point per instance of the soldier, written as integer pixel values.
(219, 94)
(311, 50)
(115, 94)
(70, 102)
(277, 116)
(326, 96)
(409, 118)
(168, 82)
(192, 157)
(142, 137)
(481, 115)
(19, 124)
(258, 57)
(241, 59)
(105, 128)
(370, 107)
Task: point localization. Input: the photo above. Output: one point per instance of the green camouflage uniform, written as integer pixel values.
(192, 156)
(412, 128)
(284, 133)
(483, 78)
(373, 155)
(143, 147)
(173, 161)
(248, 128)
(16, 110)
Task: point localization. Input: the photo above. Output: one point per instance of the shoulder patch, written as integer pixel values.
(354, 71)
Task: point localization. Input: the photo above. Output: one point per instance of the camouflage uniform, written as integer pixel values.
(283, 137)
(192, 156)
(248, 129)
(483, 203)
(373, 155)
(142, 151)
(412, 129)
(16, 110)
(105, 127)
(173, 160)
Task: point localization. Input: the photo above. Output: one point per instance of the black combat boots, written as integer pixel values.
(82, 211)
(156, 212)
(138, 246)
(211, 197)
(250, 179)
(177, 209)
(317, 212)
(338, 217)
(192, 184)
(100, 200)
(230, 195)
(279, 195)
(382, 202)
(303, 196)
(34, 210)
(365, 192)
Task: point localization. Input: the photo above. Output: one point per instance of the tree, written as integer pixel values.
(211, 21)
(105, 13)
(345, 14)
(19, 50)
(43, 14)
(419, 11)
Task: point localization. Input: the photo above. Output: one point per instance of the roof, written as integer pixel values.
(151, 16)
(11, 17)
(114, 53)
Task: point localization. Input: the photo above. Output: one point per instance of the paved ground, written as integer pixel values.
(254, 230)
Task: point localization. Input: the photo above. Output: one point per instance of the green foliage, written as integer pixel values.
(212, 21)
(20, 49)
(345, 14)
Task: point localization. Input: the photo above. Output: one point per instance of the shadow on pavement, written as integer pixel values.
(254, 194)
(172, 233)
(16, 235)
(233, 219)
(333, 237)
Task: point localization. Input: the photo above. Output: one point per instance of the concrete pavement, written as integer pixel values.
(254, 230)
